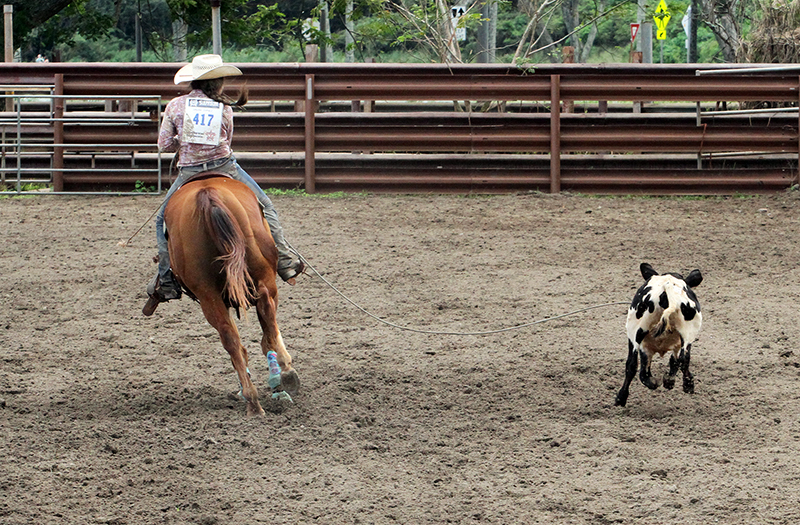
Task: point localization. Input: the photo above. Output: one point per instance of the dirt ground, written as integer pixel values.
(109, 417)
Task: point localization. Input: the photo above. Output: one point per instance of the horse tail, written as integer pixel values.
(230, 242)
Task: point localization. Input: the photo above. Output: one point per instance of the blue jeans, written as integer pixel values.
(229, 166)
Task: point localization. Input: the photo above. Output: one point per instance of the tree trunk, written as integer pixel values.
(587, 46)
(720, 15)
(451, 50)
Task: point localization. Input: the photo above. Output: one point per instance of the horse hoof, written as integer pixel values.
(668, 383)
(255, 412)
(290, 382)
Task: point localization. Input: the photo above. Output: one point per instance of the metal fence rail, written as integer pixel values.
(40, 142)
(618, 128)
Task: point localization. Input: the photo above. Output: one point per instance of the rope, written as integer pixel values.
(127, 243)
(437, 332)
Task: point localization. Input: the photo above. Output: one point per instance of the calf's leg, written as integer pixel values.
(630, 371)
(669, 377)
(688, 378)
(644, 371)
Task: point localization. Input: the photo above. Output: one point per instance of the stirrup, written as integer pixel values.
(160, 294)
(294, 269)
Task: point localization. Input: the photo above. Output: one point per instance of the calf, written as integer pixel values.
(664, 316)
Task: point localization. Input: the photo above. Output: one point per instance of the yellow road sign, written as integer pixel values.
(661, 19)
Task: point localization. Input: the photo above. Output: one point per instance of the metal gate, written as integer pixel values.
(46, 134)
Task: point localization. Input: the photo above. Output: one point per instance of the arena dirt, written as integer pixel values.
(108, 417)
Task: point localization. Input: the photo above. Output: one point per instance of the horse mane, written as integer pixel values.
(230, 242)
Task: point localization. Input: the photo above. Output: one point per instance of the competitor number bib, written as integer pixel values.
(202, 122)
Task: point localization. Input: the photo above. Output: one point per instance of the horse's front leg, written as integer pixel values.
(266, 307)
(219, 317)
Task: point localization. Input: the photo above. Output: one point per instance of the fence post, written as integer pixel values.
(310, 163)
(568, 57)
(555, 133)
(636, 58)
(58, 134)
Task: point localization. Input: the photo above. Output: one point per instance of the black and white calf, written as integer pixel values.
(664, 316)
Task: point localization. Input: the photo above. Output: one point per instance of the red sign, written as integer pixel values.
(634, 31)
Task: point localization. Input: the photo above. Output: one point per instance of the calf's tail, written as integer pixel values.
(666, 323)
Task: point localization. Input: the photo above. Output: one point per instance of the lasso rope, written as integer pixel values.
(437, 332)
(127, 243)
(406, 328)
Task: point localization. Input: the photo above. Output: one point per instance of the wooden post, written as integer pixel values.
(568, 57)
(310, 161)
(636, 58)
(58, 135)
(369, 105)
(555, 133)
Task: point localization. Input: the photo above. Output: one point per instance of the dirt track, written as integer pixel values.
(113, 418)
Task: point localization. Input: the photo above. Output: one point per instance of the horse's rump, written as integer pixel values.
(219, 240)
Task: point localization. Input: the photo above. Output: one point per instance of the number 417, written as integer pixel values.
(200, 119)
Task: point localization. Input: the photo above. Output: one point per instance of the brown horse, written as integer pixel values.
(222, 252)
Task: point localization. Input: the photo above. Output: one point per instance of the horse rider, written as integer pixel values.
(199, 126)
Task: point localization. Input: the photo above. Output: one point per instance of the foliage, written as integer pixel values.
(277, 192)
(141, 187)
(272, 31)
(775, 36)
(80, 17)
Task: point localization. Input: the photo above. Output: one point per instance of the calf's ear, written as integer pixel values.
(694, 278)
(647, 271)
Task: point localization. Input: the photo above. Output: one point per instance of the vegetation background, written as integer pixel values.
(396, 30)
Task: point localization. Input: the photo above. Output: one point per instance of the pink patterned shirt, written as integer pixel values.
(193, 154)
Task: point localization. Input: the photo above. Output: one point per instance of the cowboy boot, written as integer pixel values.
(167, 287)
(162, 287)
(289, 265)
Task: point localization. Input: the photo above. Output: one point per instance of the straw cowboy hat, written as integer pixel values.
(204, 67)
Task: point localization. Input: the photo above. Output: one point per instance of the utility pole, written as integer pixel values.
(694, 21)
(645, 44)
(138, 30)
(216, 27)
(487, 33)
(8, 11)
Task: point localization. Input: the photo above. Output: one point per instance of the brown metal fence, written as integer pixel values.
(624, 128)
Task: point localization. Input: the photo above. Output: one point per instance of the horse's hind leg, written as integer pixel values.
(266, 307)
(218, 316)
